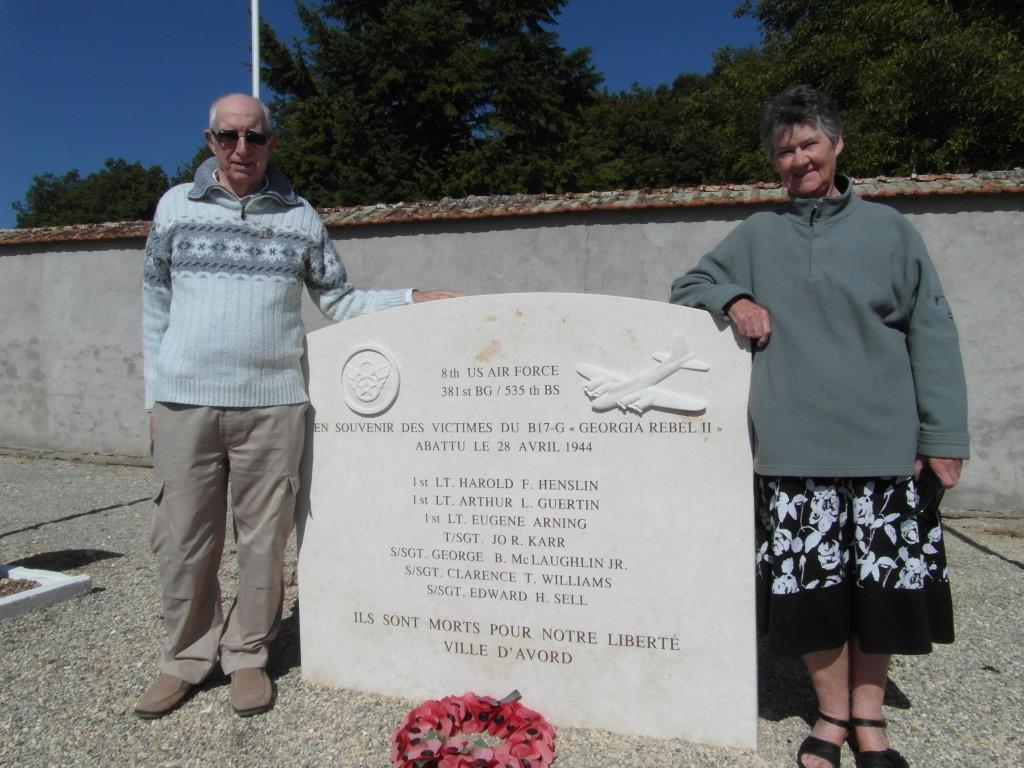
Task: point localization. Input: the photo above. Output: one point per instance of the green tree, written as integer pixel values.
(624, 140)
(410, 99)
(120, 191)
(715, 135)
(701, 130)
(924, 85)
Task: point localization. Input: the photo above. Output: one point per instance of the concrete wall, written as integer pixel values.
(71, 347)
(70, 366)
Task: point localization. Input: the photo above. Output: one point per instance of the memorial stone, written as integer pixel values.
(543, 492)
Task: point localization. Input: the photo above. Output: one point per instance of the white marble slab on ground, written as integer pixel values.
(511, 492)
(53, 588)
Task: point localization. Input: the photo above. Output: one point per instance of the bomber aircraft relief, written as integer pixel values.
(611, 389)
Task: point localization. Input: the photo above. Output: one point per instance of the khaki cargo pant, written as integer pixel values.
(196, 450)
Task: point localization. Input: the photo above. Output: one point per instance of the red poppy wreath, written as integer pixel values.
(440, 734)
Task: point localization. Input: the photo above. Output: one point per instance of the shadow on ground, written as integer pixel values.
(63, 559)
(66, 518)
(285, 653)
(981, 547)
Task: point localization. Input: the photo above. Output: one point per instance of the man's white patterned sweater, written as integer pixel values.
(222, 291)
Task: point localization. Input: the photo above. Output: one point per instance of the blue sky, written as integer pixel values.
(85, 81)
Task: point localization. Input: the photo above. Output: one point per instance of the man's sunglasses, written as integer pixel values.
(227, 137)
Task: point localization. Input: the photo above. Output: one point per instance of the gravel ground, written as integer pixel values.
(71, 673)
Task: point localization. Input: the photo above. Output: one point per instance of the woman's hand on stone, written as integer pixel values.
(751, 320)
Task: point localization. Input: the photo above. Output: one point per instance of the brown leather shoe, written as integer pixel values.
(164, 695)
(251, 691)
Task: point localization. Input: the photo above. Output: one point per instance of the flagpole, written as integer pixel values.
(255, 48)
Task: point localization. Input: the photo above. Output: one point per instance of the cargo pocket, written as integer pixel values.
(178, 579)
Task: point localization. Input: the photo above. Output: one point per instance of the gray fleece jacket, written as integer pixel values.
(863, 369)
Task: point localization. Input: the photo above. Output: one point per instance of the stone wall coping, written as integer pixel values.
(503, 206)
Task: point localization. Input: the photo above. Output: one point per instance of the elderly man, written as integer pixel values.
(225, 262)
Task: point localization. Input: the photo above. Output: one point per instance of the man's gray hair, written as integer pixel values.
(800, 105)
(267, 124)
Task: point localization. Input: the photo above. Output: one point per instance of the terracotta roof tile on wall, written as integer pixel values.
(499, 206)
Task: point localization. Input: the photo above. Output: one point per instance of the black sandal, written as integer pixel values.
(888, 758)
(826, 750)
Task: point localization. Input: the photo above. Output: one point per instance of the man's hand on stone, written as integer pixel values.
(433, 295)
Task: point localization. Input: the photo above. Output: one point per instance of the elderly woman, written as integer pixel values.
(858, 409)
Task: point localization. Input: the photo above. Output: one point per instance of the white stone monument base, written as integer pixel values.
(519, 492)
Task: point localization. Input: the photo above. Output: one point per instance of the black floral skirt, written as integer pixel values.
(838, 557)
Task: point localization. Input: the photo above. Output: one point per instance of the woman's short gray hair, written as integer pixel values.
(800, 105)
(267, 123)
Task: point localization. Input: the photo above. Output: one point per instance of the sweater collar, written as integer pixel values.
(275, 185)
(823, 207)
